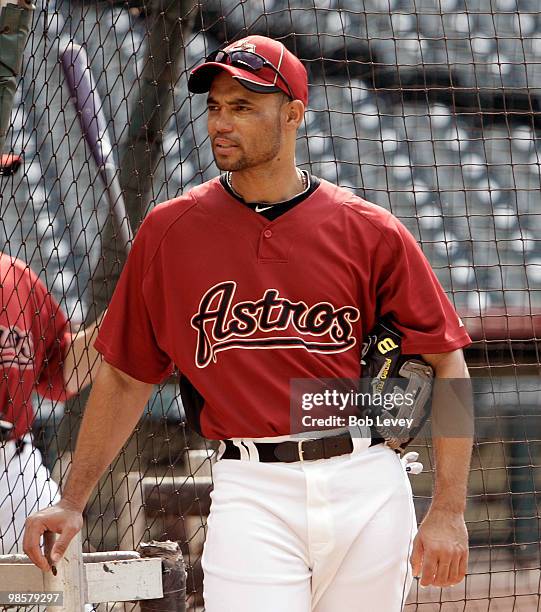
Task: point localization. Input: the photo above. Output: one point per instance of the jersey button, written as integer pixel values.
(267, 233)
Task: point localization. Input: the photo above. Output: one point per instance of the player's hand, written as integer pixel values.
(440, 549)
(63, 519)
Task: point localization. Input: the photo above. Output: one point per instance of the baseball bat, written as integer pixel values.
(88, 104)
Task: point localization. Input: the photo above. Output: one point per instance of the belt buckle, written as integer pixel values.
(299, 447)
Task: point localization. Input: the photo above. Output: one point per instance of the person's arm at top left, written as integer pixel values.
(70, 359)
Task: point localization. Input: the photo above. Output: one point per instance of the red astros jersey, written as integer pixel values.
(34, 335)
(241, 305)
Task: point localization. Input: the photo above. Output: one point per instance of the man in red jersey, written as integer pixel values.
(261, 276)
(38, 353)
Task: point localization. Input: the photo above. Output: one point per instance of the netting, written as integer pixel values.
(429, 108)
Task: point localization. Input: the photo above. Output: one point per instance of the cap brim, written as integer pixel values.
(9, 164)
(201, 78)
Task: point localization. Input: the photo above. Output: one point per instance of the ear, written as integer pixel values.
(294, 111)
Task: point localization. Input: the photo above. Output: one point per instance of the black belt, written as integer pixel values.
(302, 450)
(6, 429)
(20, 443)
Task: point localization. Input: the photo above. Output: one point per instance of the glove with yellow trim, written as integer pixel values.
(400, 386)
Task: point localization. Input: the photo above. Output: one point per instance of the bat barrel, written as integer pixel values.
(88, 104)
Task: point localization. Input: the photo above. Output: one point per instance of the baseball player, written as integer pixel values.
(260, 276)
(38, 353)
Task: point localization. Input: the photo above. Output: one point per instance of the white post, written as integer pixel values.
(70, 579)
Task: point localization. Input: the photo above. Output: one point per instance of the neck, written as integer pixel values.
(261, 184)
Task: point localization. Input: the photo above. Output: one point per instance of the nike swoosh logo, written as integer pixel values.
(262, 208)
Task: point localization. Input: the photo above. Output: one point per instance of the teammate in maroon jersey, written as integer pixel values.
(38, 353)
(264, 275)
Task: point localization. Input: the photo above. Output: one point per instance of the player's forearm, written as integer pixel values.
(82, 360)
(112, 411)
(452, 470)
(452, 431)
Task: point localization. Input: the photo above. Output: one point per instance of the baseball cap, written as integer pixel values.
(261, 64)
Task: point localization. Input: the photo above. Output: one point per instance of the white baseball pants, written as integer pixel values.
(321, 536)
(25, 487)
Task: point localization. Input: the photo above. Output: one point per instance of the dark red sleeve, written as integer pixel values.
(126, 337)
(53, 331)
(409, 291)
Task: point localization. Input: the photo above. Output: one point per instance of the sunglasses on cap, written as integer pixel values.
(249, 60)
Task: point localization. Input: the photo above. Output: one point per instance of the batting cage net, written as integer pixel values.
(429, 108)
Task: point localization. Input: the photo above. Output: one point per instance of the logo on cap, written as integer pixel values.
(243, 46)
